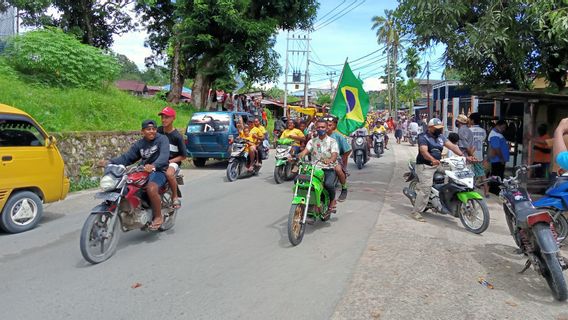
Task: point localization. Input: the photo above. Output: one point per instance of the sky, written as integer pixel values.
(342, 31)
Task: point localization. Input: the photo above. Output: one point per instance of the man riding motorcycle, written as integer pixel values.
(344, 151)
(430, 146)
(153, 152)
(380, 128)
(295, 134)
(258, 132)
(324, 152)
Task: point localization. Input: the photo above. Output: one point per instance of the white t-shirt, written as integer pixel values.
(413, 127)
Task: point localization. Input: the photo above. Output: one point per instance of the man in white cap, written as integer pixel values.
(430, 146)
(466, 135)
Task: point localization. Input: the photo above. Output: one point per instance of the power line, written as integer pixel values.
(352, 61)
(325, 15)
(324, 24)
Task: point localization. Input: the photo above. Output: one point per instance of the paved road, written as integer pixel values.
(413, 270)
(228, 256)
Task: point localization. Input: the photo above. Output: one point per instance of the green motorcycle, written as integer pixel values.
(284, 162)
(310, 199)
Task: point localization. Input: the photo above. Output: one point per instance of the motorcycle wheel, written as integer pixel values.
(295, 227)
(359, 161)
(412, 187)
(412, 143)
(561, 226)
(95, 233)
(377, 150)
(551, 269)
(233, 171)
(470, 214)
(169, 222)
(508, 217)
(279, 174)
(382, 149)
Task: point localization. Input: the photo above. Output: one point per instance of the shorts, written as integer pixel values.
(478, 169)
(174, 165)
(158, 177)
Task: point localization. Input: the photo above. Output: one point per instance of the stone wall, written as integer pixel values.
(82, 150)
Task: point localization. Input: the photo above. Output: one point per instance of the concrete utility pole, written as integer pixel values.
(286, 77)
(307, 76)
(330, 75)
(428, 89)
(296, 73)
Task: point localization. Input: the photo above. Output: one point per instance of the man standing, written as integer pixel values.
(153, 151)
(430, 146)
(479, 136)
(466, 136)
(498, 152)
(178, 152)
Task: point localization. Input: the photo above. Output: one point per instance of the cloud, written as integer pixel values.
(131, 44)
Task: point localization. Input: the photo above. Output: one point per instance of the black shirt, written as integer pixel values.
(435, 147)
(153, 152)
(177, 147)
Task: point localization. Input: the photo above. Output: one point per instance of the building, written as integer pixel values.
(134, 87)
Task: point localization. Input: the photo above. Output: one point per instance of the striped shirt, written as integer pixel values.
(479, 136)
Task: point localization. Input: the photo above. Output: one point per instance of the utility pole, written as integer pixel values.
(286, 77)
(307, 75)
(428, 89)
(330, 75)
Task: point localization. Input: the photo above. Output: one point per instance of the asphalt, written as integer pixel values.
(228, 257)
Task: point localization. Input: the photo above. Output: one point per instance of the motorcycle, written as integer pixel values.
(284, 161)
(412, 137)
(554, 202)
(379, 143)
(125, 207)
(457, 197)
(360, 152)
(534, 233)
(276, 133)
(310, 199)
(239, 161)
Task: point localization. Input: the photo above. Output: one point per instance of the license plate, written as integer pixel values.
(107, 196)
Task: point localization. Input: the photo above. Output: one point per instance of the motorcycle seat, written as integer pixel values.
(523, 210)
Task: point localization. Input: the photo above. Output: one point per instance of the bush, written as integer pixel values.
(54, 58)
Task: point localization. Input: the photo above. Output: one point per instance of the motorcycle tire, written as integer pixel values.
(87, 232)
(412, 187)
(412, 142)
(169, 222)
(279, 174)
(551, 269)
(382, 150)
(561, 226)
(296, 228)
(359, 161)
(233, 171)
(377, 150)
(466, 220)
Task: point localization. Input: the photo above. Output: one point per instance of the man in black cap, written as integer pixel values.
(153, 151)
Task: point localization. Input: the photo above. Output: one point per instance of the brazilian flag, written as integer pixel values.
(351, 102)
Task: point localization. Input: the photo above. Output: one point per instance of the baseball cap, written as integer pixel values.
(167, 111)
(462, 118)
(436, 123)
(147, 123)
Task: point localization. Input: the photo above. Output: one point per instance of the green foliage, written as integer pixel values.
(323, 99)
(77, 109)
(275, 93)
(492, 43)
(52, 57)
(412, 63)
(128, 69)
(86, 180)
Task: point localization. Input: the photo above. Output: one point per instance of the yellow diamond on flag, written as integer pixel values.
(353, 106)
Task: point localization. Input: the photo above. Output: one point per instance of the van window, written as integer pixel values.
(19, 133)
(209, 122)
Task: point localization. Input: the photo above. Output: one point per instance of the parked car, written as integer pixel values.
(209, 135)
(31, 171)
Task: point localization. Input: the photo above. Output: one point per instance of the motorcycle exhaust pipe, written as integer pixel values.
(410, 194)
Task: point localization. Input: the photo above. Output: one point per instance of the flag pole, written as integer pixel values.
(338, 82)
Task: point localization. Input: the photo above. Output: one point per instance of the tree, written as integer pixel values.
(128, 69)
(275, 93)
(412, 69)
(95, 22)
(494, 43)
(210, 39)
(388, 33)
(324, 99)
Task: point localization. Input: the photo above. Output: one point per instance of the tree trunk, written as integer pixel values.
(199, 91)
(389, 80)
(176, 78)
(395, 53)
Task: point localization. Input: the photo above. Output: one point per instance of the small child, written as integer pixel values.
(454, 138)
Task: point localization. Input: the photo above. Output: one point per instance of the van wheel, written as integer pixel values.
(199, 162)
(22, 212)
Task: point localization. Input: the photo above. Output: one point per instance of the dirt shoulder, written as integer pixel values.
(413, 270)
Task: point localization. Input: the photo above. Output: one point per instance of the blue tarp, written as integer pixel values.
(184, 90)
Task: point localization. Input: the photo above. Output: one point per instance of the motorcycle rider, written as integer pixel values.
(344, 151)
(364, 132)
(380, 128)
(250, 147)
(324, 152)
(258, 132)
(430, 146)
(178, 151)
(294, 134)
(413, 127)
(153, 151)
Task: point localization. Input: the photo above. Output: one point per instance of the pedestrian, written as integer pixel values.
(542, 152)
(498, 153)
(465, 135)
(455, 139)
(479, 136)
(398, 131)
(264, 117)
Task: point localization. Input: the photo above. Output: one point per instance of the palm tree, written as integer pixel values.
(389, 35)
(412, 68)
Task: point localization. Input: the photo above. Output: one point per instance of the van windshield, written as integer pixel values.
(209, 122)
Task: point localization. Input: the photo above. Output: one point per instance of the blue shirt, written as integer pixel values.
(435, 147)
(344, 146)
(498, 141)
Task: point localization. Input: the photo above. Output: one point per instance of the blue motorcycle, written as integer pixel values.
(555, 201)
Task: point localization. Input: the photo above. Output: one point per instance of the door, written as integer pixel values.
(26, 160)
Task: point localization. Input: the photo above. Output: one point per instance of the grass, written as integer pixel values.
(71, 109)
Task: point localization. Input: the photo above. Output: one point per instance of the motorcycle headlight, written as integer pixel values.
(359, 140)
(109, 182)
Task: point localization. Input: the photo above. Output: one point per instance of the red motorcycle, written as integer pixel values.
(125, 207)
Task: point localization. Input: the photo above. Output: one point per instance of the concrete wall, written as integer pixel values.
(82, 150)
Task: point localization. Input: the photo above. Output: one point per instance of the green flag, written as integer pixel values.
(351, 102)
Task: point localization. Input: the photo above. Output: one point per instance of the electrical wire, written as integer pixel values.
(323, 25)
(325, 15)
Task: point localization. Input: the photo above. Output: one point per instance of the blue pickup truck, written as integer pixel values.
(208, 134)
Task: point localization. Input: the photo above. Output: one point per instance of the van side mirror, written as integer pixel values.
(50, 142)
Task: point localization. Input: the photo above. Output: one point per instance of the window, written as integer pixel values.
(209, 122)
(19, 133)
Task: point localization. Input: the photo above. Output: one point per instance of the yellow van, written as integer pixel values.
(31, 171)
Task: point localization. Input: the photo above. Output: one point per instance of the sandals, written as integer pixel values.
(176, 204)
(154, 226)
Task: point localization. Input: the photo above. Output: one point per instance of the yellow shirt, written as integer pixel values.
(380, 129)
(294, 132)
(258, 133)
(248, 138)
